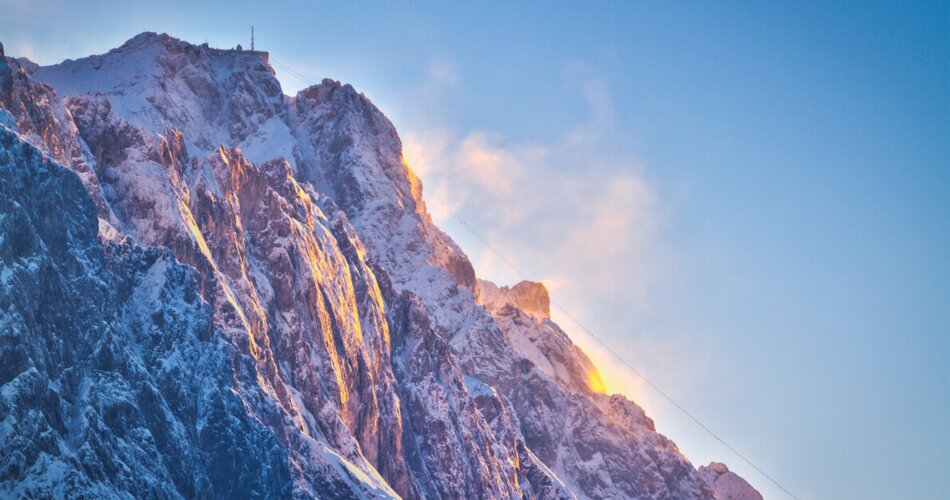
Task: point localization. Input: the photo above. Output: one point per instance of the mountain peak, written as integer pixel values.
(330, 90)
(727, 484)
(213, 96)
(148, 38)
(529, 296)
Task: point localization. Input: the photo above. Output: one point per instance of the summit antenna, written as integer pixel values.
(252, 37)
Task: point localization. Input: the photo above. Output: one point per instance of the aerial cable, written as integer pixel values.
(633, 369)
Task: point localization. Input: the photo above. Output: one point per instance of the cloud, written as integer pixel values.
(440, 75)
(21, 48)
(582, 227)
(571, 213)
(595, 91)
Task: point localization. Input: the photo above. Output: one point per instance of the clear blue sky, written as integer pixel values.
(751, 203)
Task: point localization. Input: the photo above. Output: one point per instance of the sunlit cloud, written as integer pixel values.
(568, 213)
(592, 229)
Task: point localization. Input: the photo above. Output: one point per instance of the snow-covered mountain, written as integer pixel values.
(211, 289)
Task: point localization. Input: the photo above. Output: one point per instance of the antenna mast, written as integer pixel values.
(252, 37)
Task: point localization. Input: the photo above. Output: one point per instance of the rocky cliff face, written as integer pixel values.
(727, 484)
(530, 297)
(213, 289)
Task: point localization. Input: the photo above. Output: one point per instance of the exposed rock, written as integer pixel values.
(529, 296)
(727, 484)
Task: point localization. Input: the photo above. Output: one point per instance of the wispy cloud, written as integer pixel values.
(440, 76)
(595, 90)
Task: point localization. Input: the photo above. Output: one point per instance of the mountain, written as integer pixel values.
(211, 289)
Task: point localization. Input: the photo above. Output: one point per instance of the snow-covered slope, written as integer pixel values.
(262, 305)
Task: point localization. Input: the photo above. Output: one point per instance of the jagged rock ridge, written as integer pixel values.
(213, 289)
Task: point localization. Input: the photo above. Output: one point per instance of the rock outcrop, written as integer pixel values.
(727, 484)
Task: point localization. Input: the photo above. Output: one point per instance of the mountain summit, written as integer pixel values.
(211, 289)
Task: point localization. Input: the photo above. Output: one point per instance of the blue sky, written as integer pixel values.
(749, 202)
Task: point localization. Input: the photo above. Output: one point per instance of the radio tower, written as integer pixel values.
(252, 37)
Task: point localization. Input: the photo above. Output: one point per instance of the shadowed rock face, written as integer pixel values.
(213, 289)
(113, 382)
